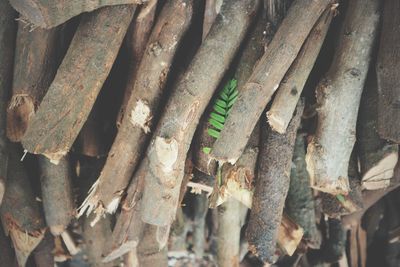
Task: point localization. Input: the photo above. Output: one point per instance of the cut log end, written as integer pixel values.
(54, 157)
(57, 230)
(379, 176)
(19, 111)
(276, 123)
(325, 176)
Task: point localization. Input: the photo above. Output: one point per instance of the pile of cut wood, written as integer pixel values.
(199, 133)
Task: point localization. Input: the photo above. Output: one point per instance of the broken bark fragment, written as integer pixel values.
(387, 71)
(48, 14)
(7, 42)
(163, 165)
(338, 98)
(142, 108)
(300, 201)
(265, 78)
(136, 40)
(67, 104)
(292, 85)
(20, 212)
(35, 66)
(377, 156)
(271, 187)
(57, 198)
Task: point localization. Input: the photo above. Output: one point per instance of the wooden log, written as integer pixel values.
(149, 252)
(211, 10)
(163, 165)
(329, 152)
(259, 88)
(292, 85)
(271, 188)
(136, 40)
(252, 51)
(20, 212)
(58, 203)
(48, 14)
(35, 66)
(96, 238)
(43, 253)
(337, 206)
(387, 72)
(377, 156)
(7, 39)
(67, 104)
(143, 107)
(300, 201)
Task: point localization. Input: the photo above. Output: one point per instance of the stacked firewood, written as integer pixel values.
(199, 133)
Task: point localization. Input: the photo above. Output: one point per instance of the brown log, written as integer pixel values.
(271, 187)
(378, 157)
(43, 253)
(67, 104)
(50, 13)
(338, 98)
(35, 66)
(292, 85)
(143, 107)
(300, 201)
(57, 197)
(266, 77)
(20, 211)
(136, 40)
(387, 72)
(7, 39)
(163, 165)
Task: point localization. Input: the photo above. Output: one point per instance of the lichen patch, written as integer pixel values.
(141, 116)
(167, 152)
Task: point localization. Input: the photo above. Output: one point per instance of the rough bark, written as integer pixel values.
(58, 203)
(163, 165)
(143, 107)
(20, 212)
(7, 39)
(43, 253)
(136, 40)
(387, 71)
(149, 252)
(292, 85)
(300, 201)
(252, 51)
(88, 61)
(265, 78)
(50, 13)
(338, 98)
(271, 187)
(35, 66)
(377, 156)
(336, 243)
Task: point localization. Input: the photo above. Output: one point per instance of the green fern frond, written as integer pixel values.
(222, 106)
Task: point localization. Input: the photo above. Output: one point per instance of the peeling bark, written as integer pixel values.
(338, 99)
(50, 13)
(20, 212)
(163, 165)
(300, 201)
(387, 70)
(265, 78)
(35, 65)
(292, 85)
(67, 104)
(377, 156)
(7, 39)
(142, 108)
(57, 198)
(271, 187)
